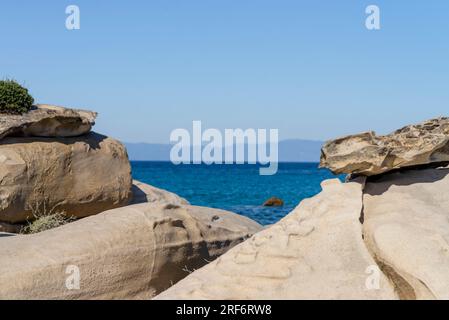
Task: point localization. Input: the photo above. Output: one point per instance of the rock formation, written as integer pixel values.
(406, 226)
(273, 202)
(332, 246)
(47, 121)
(316, 252)
(79, 176)
(132, 252)
(50, 162)
(369, 154)
(384, 236)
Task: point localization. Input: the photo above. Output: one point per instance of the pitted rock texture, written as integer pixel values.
(369, 154)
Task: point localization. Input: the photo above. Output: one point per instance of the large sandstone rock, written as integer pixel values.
(368, 154)
(126, 253)
(47, 121)
(407, 229)
(316, 252)
(80, 176)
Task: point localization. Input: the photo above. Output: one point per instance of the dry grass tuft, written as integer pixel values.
(45, 220)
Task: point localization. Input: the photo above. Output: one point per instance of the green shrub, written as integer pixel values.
(14, 98)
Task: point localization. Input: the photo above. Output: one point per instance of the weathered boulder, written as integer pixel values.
(316, 252)
(132, 252)
(406, 227)
(369, 154)
(80, 176)
(145, 193)
(47, 121)
(273, 202)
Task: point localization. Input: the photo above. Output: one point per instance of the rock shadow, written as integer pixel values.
(138, 195)
(377, 185)
(93, 139)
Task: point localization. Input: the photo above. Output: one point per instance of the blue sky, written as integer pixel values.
(309, 68)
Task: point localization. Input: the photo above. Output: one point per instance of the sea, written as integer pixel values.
(238, 187)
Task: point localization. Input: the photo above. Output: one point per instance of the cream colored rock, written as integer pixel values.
(369, 154)
(407, 229)
(47, 121)
(316, 252)
(80, 176)
(132, 252)
(145, 193)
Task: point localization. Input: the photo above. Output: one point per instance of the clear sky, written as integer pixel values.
(309, 68)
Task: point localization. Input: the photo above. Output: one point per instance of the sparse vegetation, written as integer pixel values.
(45, 220)
(14, 99)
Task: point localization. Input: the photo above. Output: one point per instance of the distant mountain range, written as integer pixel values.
(294, 150)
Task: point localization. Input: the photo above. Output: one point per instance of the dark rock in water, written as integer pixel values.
(273, 202)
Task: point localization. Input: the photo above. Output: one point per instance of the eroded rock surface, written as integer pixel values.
(79, 176)
(369, 154)
(47, 121)
(316, 252)
(407, 229)
(132, 252)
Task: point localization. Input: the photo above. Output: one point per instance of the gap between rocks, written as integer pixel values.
(402, 288)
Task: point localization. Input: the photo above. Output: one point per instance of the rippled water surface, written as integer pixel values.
(237, 188)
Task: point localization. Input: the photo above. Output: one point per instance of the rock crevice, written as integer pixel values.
(406, 229)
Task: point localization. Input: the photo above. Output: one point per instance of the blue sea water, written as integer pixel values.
(237, 188)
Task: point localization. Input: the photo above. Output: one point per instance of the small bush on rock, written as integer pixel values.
(45, 220)
(14, 99)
